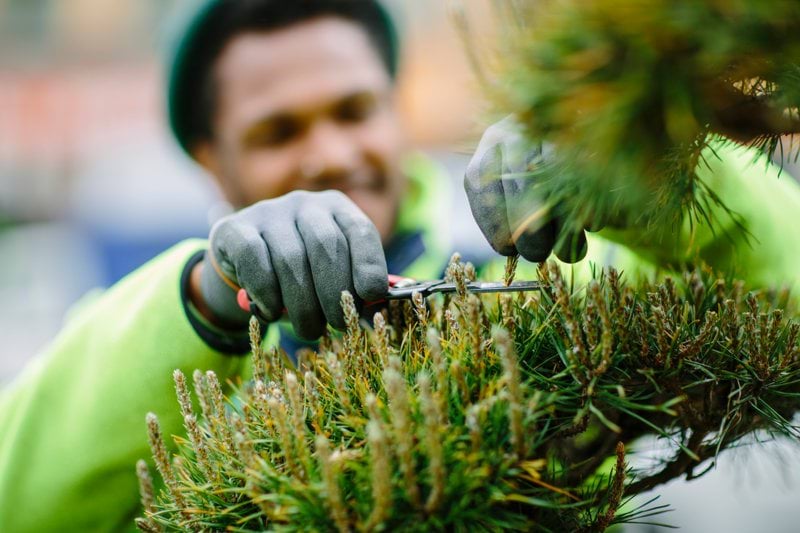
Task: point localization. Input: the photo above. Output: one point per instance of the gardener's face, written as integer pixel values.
(306, 107)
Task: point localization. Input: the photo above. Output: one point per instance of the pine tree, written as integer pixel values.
(509, 412)
(516, 412)
(636, 95)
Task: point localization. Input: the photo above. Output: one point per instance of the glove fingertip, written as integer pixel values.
(537, 246)
(572, 248)
(337, 321)
(372, 286)
(535, 257)
(266, 314)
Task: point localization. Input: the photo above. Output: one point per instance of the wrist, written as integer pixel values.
(221, 309)
(195, 294)
(222, 338)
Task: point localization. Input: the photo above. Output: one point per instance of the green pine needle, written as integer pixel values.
(493, 414)
(633, 93)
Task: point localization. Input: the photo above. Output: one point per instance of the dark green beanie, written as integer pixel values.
(204, 24)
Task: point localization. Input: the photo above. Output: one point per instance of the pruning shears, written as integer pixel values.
(402, 288)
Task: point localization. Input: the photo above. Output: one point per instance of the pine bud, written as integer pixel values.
(300, 429)
(434, 431)
(162, 459)
(402, 429)
(380, 466)
(146, 491)
(184, 400)
(421, 309)
(381, 346)
(511, 377)
(330, 472)
(201, 391)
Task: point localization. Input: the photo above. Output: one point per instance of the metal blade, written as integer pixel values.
(516, 286)
(406, 290)
(483, 287)
(426, 288)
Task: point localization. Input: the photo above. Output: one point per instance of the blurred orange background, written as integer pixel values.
(91, 184)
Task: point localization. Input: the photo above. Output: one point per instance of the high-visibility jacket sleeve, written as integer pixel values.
(755, 237)
(72, 425)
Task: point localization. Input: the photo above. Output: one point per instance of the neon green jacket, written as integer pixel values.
(72, 425)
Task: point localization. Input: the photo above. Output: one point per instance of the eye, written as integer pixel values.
(273, 132)
(356, 108)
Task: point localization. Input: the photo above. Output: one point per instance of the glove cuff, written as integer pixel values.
(219, 294)
(236, 342)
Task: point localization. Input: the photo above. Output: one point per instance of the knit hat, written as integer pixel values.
(202, 24)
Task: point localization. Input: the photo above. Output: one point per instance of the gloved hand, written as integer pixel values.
(509, 207)
(297, 252)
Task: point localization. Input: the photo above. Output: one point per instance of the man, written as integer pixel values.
(306, 106)
(313, 114)
(289, 106)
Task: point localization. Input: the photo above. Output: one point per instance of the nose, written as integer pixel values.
(330, 153)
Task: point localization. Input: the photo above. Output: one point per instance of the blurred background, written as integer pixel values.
(92, 186)
(91, 183)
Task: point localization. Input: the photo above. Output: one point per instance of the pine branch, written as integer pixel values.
(632, 95)
(456, 423)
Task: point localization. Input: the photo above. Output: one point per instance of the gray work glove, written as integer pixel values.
(510, 207)
(295, 253)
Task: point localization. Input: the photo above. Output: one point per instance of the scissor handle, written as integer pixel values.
(243, 299)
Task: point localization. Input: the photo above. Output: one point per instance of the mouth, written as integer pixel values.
(357, 183)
